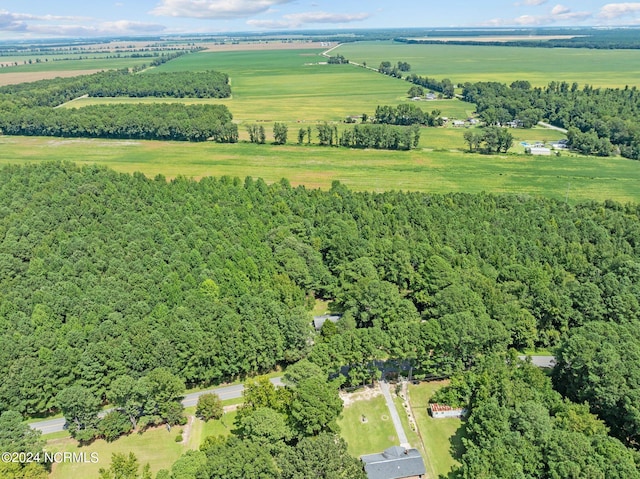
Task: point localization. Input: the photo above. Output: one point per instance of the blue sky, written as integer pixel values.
(47, 18)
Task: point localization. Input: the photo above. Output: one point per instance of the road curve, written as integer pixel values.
(226, 392)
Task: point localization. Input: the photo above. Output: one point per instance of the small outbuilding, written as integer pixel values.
(439, 411)
(395, 462)
(540, 150)
(318, 321)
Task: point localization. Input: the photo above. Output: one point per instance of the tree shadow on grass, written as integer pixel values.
(456, 449)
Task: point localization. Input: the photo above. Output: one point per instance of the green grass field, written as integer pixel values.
(375, 435)
(441, 437)
(583, 178)
(470, 63)
(156, 446)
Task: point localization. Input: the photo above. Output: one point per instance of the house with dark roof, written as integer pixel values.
(394, 463)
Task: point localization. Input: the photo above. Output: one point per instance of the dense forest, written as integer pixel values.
(519, 428)
(600, 120)
(105, 274)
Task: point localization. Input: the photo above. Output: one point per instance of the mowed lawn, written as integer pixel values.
(156, 447)
(374, 435)
(441, 437)
(470, 63)
(432, 170)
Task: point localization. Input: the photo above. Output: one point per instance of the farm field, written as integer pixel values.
(573, 177)
(469, 63)
(441, 437)
(288, 85)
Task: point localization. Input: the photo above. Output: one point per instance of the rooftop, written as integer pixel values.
(394, 463)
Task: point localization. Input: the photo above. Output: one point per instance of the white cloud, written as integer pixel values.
(59, 26)
(558, 15)
(560, 10)
(532, 2)
(295, 20)
(612, 11)
(221, 9)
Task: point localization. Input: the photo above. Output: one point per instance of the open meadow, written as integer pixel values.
(470, 63)
(573, 177)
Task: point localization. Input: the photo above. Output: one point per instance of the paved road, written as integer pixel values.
(395, 417)
(226, 392)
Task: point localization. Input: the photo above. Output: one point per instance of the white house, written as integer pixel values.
(439, 411)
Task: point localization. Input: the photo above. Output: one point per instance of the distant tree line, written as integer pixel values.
(338, 60)
(490, 139)
(160, 121)
(615, 38)
(406, 114)
(601, 121)
(117, 83)
(376, 136)
(27, 108)
(443, 86)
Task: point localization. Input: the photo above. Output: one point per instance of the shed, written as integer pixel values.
(395, 462)
(439, 411)
(539, 150)
(318, 321)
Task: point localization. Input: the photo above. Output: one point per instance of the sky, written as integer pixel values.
(23, 19)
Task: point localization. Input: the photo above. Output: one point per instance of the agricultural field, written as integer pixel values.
(470, 63)
(575, 178)
(289, 85)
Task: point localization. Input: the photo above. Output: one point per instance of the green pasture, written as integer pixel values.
(574, 177)
(470, 63)
(374, 435)
(442, 438)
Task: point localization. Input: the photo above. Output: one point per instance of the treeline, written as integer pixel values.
(338, 60)
(380, 137)
(490, 139)
(104, 275)
(210, 84)
(406, 114)
(118, 83)
(601, 121)
(444, 86)
(519, 427)
(616, 38)
(160, 121)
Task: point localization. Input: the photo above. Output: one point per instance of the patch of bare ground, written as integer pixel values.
(251, 46)
(363, 395)
(186, 432)
(22, 77)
